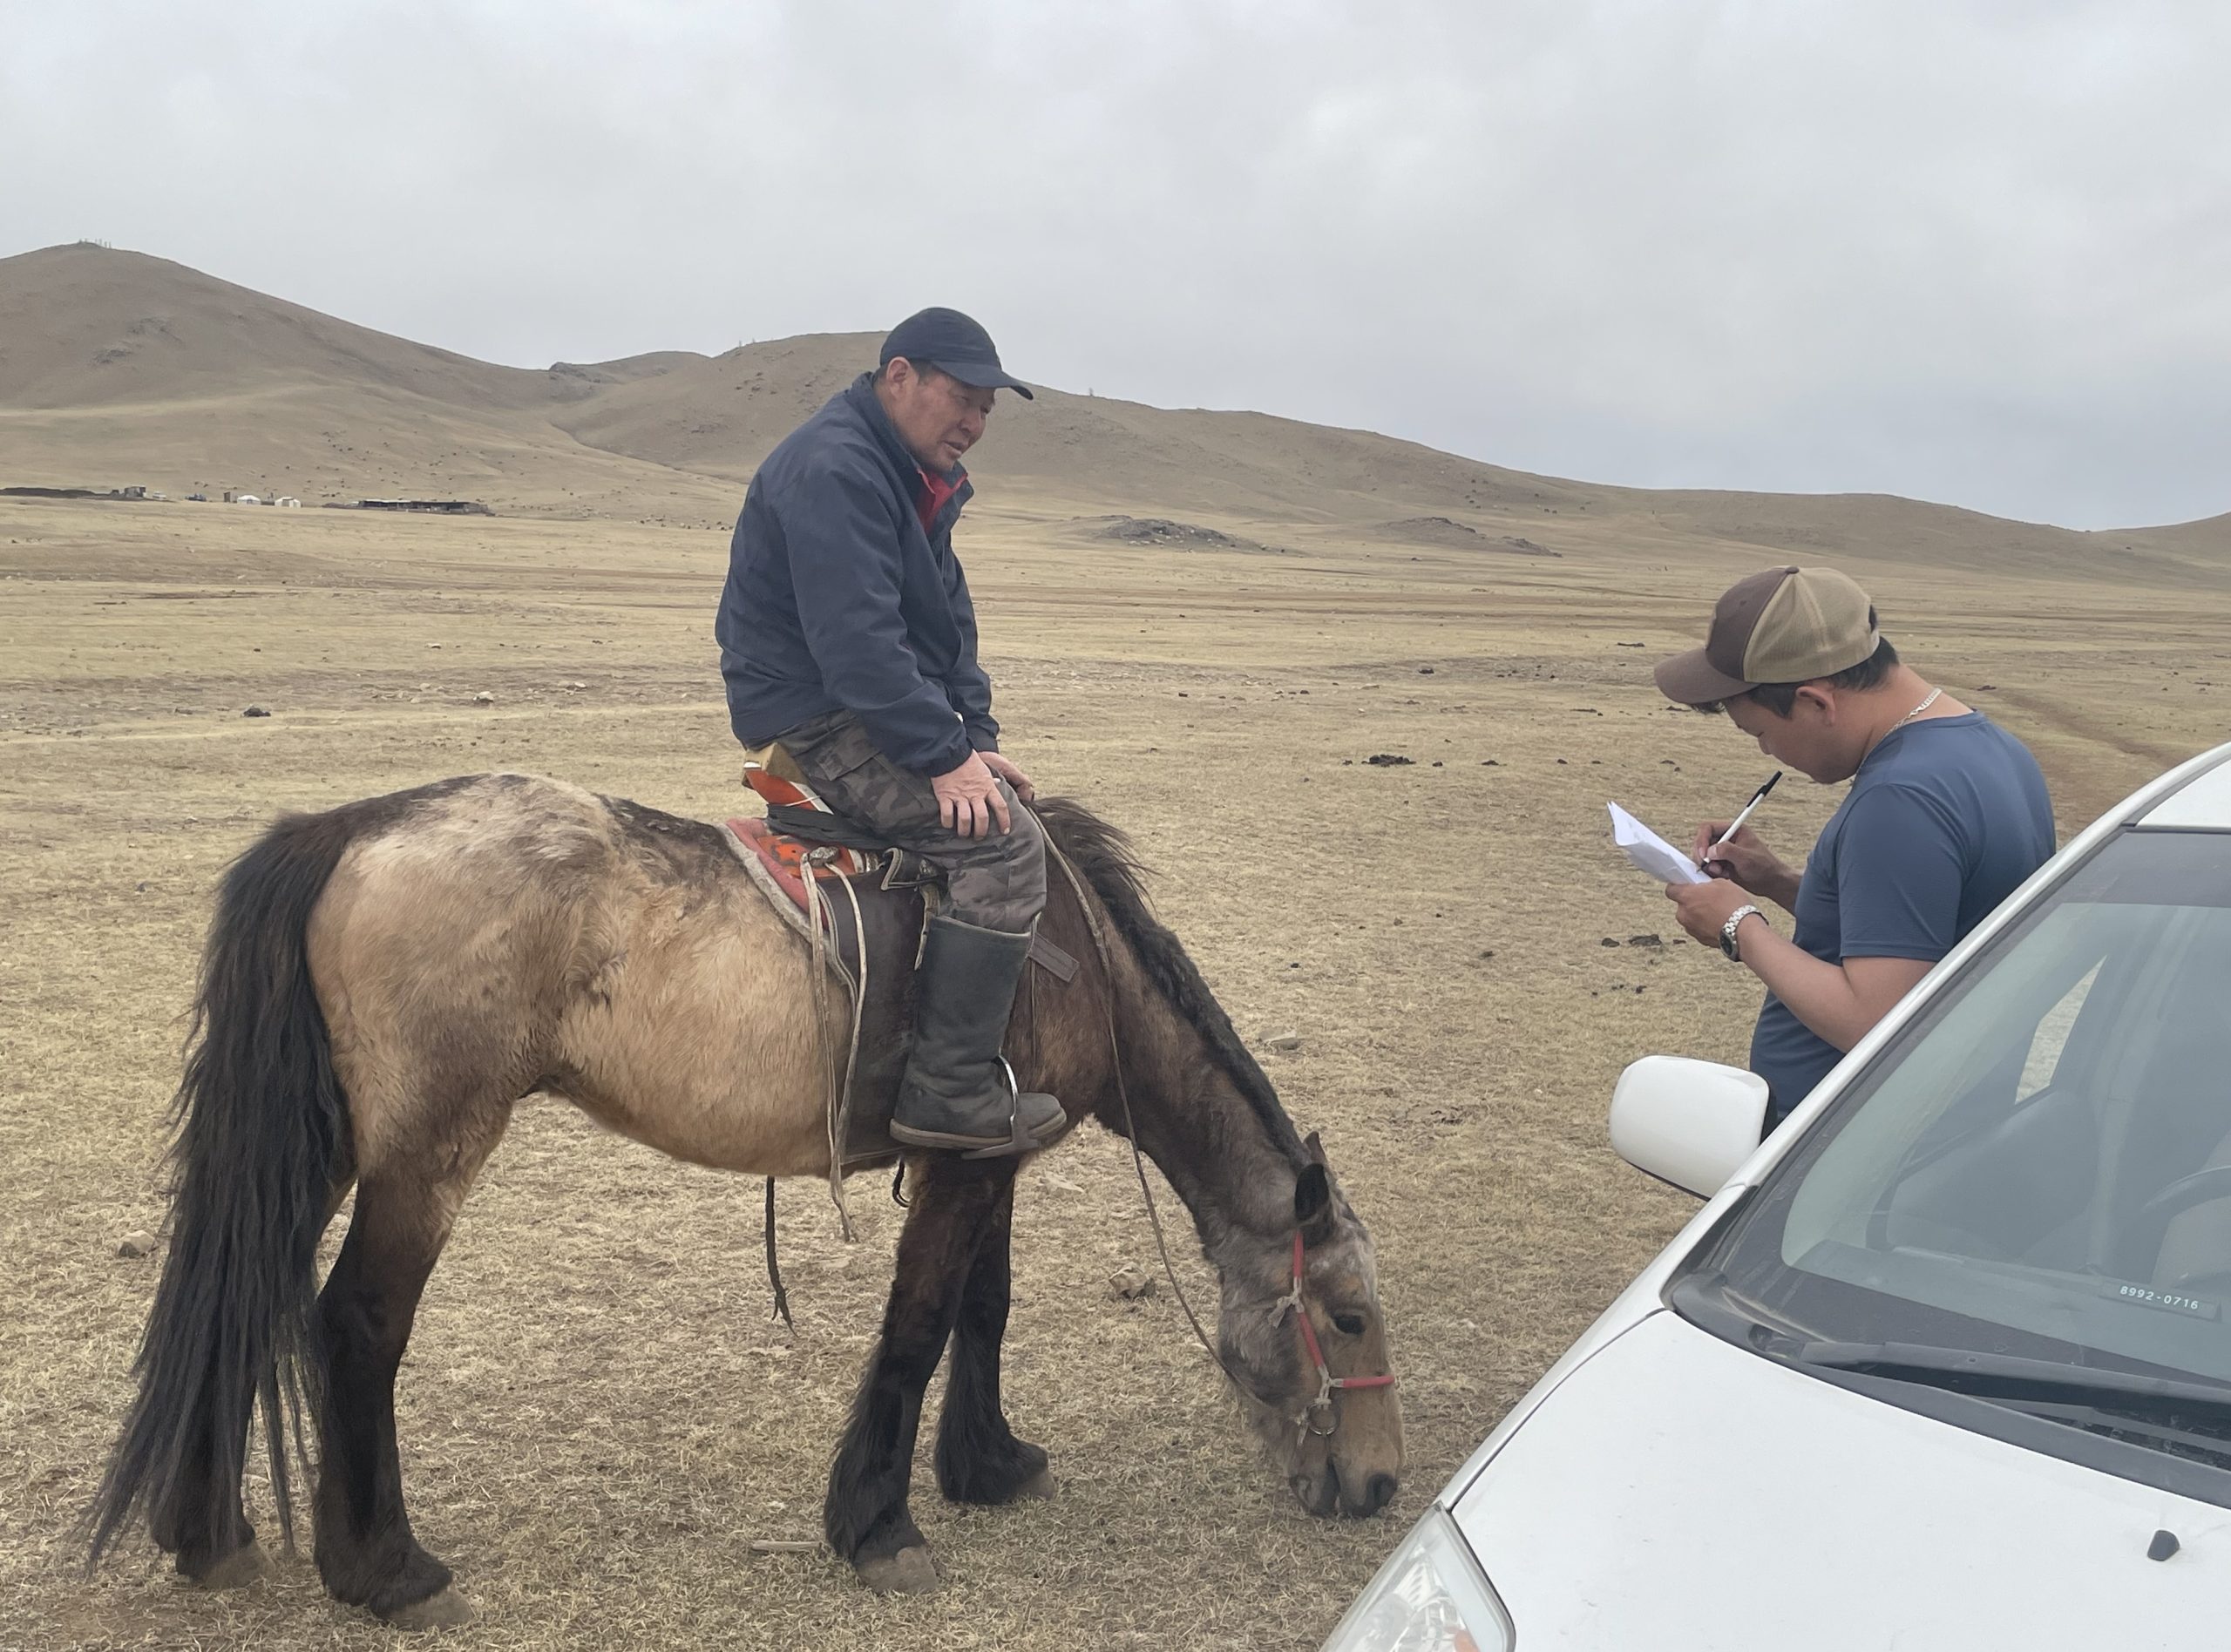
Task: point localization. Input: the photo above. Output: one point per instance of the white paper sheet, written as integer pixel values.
(1651, 853)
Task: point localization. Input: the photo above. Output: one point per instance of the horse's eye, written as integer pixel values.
(1349, 1324)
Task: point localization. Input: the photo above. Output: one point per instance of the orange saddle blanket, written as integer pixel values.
(788, 862)
(791, 860)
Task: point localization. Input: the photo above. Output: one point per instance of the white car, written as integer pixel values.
(1945, 1363)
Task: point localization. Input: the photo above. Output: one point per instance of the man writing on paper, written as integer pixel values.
(1947, 813)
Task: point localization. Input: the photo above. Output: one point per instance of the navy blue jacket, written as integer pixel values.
(837, 598)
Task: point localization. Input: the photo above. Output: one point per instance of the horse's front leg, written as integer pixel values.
(865, 1516)
(978, 1459)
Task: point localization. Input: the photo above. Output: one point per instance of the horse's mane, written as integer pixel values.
(1103, 855)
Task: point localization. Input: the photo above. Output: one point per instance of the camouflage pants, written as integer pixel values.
(996, 882)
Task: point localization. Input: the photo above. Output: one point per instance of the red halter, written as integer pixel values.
(1327, 1383)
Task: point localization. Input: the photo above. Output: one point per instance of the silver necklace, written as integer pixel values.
(1900, 723)
(1917, 710)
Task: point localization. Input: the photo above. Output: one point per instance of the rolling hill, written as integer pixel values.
(119, 367)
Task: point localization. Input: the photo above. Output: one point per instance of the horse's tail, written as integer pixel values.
(262, 1149)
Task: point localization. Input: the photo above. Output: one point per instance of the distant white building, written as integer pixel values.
(289, 501)
(247, 498)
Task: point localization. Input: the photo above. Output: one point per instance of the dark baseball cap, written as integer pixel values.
(954, 345)
(1779, 624)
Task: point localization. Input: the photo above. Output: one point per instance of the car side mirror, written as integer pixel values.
(1689, 1122)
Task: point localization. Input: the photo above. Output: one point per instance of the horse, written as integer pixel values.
(384, 981)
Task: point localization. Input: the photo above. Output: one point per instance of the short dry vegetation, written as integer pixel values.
(598, 1418)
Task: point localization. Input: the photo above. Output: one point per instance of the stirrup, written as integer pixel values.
(1018, 1139)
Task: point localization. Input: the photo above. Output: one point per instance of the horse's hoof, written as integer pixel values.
(443, 1609)
(912, 1571)
(1038, 1487)
(237, 1570)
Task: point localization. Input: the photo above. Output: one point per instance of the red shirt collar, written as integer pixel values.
(933, 495)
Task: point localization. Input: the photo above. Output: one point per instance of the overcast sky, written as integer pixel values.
(1969, 250)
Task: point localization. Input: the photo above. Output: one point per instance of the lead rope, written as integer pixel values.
(1130, 1124)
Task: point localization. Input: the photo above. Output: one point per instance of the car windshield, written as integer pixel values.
(2035, 1174)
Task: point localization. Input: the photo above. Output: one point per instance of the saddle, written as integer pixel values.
(802, 837)
(862, 904)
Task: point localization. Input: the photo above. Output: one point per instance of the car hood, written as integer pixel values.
(1676, 1491)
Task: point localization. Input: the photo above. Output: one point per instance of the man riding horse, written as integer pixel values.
(847, 645)
(386, 981)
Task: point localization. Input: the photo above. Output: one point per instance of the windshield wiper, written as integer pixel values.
(2119, 1421)
(2010, 1377)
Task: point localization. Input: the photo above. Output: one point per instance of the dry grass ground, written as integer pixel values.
(597, 1416)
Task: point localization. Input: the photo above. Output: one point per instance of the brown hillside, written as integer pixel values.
(87, 326)
(116, 367)
(721, 417)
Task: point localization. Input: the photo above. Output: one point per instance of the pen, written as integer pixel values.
(1736, 825)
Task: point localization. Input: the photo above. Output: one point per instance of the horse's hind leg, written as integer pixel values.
(365, 1549)
(978, 1459)
(865, 1516)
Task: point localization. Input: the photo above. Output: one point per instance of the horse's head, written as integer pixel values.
(1321, 1398)
(1300, 1333)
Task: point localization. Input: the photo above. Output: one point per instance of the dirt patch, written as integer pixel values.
(1446, 530)
(1163, 534)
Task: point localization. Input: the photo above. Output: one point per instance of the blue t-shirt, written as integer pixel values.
(1944, 820)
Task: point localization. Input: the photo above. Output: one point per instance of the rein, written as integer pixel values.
(1327, 1383)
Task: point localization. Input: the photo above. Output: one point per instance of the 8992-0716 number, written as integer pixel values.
(2147, 1297)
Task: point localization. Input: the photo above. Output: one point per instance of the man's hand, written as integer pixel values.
(1703, 908)
(1013, 777)
(1746, 863)
(969, 799)
(1839, 1002)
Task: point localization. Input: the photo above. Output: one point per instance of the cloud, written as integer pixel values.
(1974, 252)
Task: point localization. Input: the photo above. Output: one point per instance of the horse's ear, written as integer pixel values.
(1316, 1150)
(1312, 1204)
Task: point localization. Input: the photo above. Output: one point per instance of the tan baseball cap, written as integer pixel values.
(1780, 625)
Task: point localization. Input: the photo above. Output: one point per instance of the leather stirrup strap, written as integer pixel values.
(821, 919)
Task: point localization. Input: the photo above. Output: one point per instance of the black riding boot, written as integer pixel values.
(958, 1092)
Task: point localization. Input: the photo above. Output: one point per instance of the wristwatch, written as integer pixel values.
(1728, 944)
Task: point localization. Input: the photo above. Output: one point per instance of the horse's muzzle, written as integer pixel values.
(1326, 1495)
